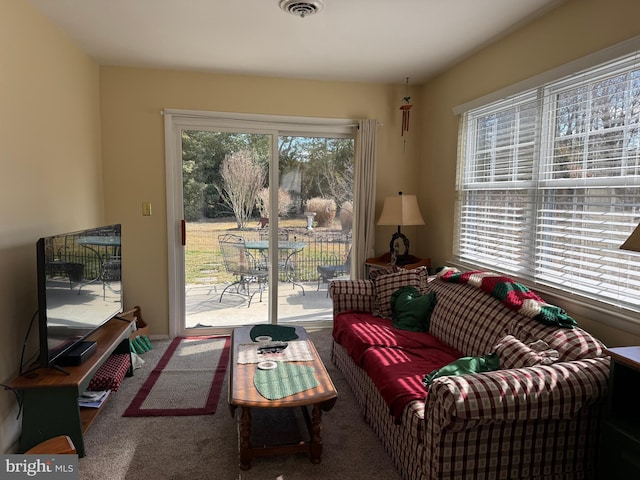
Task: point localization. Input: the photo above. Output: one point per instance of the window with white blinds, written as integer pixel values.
(549, 184)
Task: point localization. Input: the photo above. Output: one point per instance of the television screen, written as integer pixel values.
(79, 287)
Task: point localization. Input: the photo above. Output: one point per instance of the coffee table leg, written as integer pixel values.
(315, 449)
(245, 439)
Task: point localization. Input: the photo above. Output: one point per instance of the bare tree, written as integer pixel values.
(242, 179)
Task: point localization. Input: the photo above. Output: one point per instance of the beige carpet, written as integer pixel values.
(206, 446)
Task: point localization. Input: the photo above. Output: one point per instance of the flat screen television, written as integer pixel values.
(79, 287)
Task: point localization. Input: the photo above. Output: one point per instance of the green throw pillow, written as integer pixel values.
(410, 310)
(465, 366)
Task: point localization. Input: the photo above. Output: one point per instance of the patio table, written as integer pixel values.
(293, 248)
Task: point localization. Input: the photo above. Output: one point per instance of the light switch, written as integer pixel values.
(146, 209)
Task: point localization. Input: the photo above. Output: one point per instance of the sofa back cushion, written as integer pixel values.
(386, 284)
(468, 319)
(474, 322)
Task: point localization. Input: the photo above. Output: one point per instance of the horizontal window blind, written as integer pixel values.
(549, 184)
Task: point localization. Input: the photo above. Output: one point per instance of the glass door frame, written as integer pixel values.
(176, 121)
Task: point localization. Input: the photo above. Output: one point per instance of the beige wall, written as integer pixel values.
(51, 178)
(133, 139)
(573, 30)
(59, 114)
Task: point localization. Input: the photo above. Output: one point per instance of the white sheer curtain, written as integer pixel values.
(365, 197)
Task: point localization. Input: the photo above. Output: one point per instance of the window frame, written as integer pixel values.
(176, 120)
(619, 314)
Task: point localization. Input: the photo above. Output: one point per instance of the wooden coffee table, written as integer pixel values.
(243, 393)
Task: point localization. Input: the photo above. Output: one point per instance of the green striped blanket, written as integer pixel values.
(513, 294)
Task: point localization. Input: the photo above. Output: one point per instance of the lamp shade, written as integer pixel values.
(633, 242)
(401, 210)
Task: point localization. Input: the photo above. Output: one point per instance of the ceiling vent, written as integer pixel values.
(301, 9)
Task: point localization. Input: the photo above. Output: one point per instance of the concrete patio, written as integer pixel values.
(204, 308)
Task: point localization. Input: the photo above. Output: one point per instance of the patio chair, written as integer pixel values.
(239, 262)
(65, 261)
(327, 272)
(111, 273)
(287, 269)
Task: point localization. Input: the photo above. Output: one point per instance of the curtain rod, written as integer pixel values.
(235, 116)
(255, 118)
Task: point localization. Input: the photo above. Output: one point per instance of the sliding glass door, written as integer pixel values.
(222, 175)
(241, 251)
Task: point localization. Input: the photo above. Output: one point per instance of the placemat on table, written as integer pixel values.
(287, 379)
(297, 351)
(278, 333)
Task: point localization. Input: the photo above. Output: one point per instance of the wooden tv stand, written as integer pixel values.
(50, 396)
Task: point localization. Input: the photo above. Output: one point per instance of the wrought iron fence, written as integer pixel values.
(204, 263)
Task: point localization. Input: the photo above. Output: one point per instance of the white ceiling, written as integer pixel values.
(350, 40)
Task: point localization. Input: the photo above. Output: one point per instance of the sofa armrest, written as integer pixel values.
(352, 295)
(556, 392)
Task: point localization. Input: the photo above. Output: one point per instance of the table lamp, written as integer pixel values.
(401, 210)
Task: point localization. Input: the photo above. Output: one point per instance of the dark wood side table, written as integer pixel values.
(620, 440)
(383, 262)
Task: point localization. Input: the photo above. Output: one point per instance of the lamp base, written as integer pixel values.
(393, 247)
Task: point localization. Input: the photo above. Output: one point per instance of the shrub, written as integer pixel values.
(325, 210)
(284, 202)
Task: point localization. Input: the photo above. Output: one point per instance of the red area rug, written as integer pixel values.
(186, 381)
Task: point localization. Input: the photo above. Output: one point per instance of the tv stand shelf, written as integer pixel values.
(50, 396)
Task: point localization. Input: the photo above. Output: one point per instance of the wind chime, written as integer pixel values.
(406, 107)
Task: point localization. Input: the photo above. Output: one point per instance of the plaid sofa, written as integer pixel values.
(539, 421)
